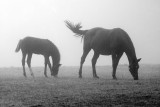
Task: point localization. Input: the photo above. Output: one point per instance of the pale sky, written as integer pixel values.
(45, 19)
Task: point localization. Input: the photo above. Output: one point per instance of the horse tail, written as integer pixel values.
(75, 28)
(18, 46)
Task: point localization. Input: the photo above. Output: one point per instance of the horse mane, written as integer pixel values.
(57, 54)
(75, 28)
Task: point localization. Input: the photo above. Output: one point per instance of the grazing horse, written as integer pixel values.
(106, 42)
(45, 47)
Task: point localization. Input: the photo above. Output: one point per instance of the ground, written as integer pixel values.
(69, 90)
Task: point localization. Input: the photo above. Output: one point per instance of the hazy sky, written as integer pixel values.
(45, 19)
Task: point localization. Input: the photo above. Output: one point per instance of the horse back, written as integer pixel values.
(36, 45)
(105, 41)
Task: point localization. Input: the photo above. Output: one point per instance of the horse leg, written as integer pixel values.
(49, 65)
(115, 61)
(29, 64)
(23, 63)
(85, 53)
(45, 66)
(94, 60)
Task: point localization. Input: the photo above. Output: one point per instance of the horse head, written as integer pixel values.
(133, 68)
(55, 70)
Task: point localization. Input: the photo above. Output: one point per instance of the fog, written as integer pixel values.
(45, 19)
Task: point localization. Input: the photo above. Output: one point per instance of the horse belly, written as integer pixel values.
(102, 49)
(105, 51)
(38, 50)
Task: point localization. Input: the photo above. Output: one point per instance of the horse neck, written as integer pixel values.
(130, 52)
(55, 55)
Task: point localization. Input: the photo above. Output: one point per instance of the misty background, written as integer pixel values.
(45, 19)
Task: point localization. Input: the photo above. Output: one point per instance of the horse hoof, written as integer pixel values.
(80, 77)
(55, 76)
(46, 76)
(114, 78)
(33, 76)
(96, 77)
(24, 75)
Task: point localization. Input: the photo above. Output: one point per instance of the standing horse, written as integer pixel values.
(45, 47)
(106, 42)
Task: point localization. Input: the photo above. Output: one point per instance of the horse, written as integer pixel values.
(32, 45)
(103, 41)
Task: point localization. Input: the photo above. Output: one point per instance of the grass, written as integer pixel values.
(69, 90)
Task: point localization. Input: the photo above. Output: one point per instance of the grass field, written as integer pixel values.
(69, 90)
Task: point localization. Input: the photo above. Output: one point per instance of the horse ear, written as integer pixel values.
(139, 59)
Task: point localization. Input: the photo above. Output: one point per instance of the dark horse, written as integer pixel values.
(106, 42)
(45, 47)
